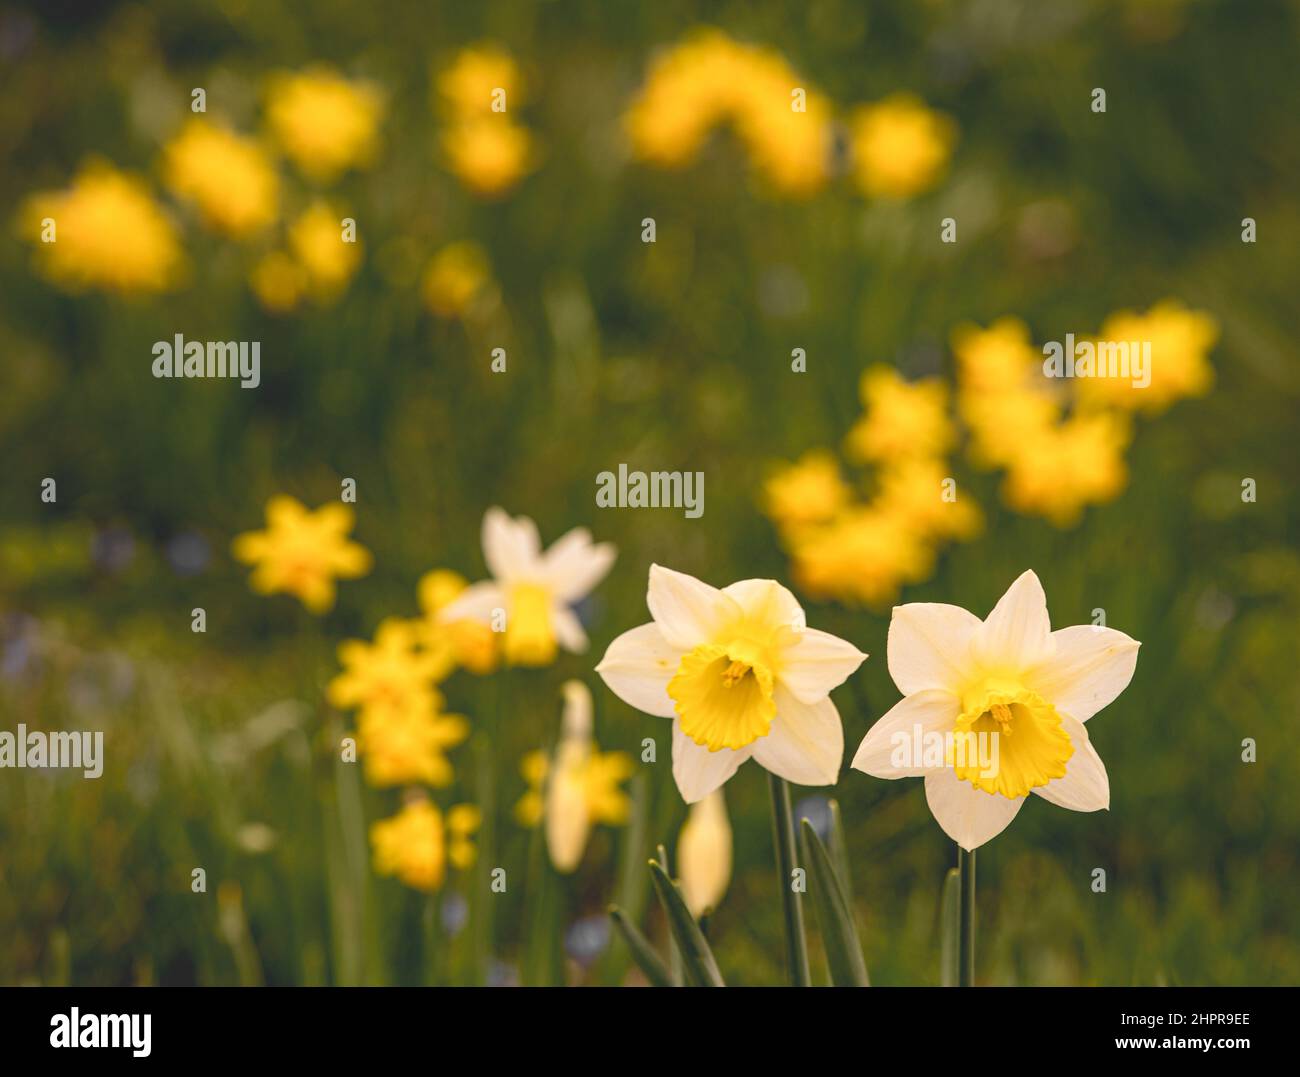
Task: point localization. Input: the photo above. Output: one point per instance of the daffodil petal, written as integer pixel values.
(699, 771)
(1085, 786)
(767, 602)
(1018, 633)
(968, 815)
(574, 564)
(687, 611)
(568, 629)
(1092, 665)
(637, 668)
(817, 662)
(806, 742)
(475, 603)
(511, 548)
(930, 646)
(932, 711)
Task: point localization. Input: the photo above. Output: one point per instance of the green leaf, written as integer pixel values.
(834, 916)
(642, 952)
(697, 959)
(839, 850)
(949, 913)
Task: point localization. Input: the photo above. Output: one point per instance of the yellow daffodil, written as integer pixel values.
(228, 177)
(994, 710)
(325, 123)
(995, 359)
(903, 419)
(391, 675)
(862, 557)
(489, 154)
(914, 491)
(1180, 341)
(463, 642)
(710, 79)
(408, 746)
(278, 281)
(900, 147)
(577, 790)
(809, 491)
(704, 854)
(104, 231)
(1059, 471)
(467, 87)
(531, 591)
(302, 552)
(416, 844)
(455, 278)
(317, 243)
(741, 676)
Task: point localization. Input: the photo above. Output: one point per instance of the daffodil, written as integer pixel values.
(578, 789)
(533, 591)
(469, 84)
(1007, 699)
(104, 231)
(302, 552)
(740, 675)
(489, 154)
(1059, 471)
(900, 147)
(862, 557)
(409, 746)
(318, 246)
(455, 278)
(704, 854)
(325, 123)
(903, 419)
(390, 675)
(417, 843)
(809, 491)
(230, 178)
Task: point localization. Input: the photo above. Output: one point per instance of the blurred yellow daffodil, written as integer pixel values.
(900, 147)
(229, 178)
(325, 123)
(809, 491)
(995, 709)
(462, 642)
(302, 552)
(417, 843)
(103, 231)
(903, 419)
(455, 278)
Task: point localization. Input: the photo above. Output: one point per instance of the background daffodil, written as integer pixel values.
(535, 590)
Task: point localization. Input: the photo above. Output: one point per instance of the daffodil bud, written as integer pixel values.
(568, 817)
(704, 854)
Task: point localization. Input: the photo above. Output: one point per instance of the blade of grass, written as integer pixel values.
(642, 952)
(697, 959)
(834, 915)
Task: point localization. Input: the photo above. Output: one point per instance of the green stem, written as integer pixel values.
(796, 945)
(966, 923)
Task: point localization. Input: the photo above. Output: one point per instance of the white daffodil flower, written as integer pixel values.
(995, 709)
(740, 675)
(704, 854)
(534, 590)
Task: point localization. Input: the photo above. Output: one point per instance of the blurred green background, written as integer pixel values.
(668, 356)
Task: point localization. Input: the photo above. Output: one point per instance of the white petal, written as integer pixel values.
(1085, 786)
(475, 603)
(930, 646)
(568, 629)
(1017, 634)
(968, 815)
(638, 666)
(688, 611)
(511, 548)
(806, 742)
(573, 565)
(815, 662)
(1091, 666)
(894, 747)
(699, 771)
(767, 602)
